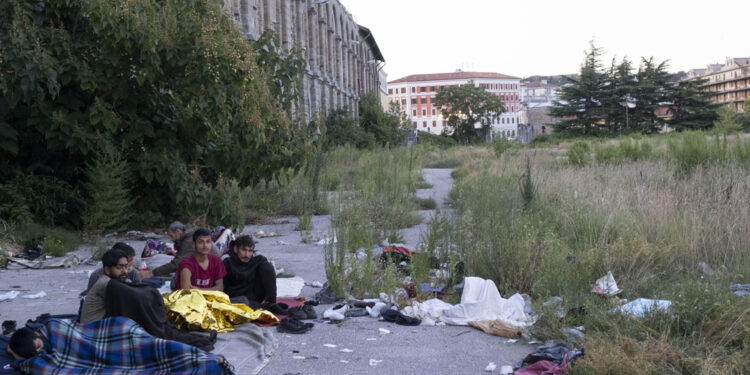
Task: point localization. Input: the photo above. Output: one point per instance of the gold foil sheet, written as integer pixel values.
(205, 310)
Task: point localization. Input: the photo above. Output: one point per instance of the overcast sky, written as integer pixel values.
(547, 37)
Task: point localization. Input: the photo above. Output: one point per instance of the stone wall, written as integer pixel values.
(343, 60)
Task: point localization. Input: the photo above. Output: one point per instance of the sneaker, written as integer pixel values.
(297, 313)
(293, 326)
(310, 312)
(277, 309)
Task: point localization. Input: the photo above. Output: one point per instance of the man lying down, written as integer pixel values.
(112, 345)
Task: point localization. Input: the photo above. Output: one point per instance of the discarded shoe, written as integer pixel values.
(297, 313)
(336, 313)
(309, 311)
(399, 318)
(278, 308)
(374, 311)
(294, 326)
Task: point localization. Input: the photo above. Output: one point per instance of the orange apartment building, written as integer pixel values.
(416, 94)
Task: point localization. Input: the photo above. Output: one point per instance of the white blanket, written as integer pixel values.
(480, 300)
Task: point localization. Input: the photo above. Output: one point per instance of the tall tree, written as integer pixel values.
(652, 92)
(690, 107)
(618, 95)
(465, 106)
(580, 105)
(173, 85)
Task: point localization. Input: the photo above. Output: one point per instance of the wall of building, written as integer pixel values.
(342, 56)
(416, 97)
(728, 83)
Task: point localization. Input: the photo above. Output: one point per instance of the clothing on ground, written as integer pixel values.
(202, 278)
(197, 309)
(480, 301)
(255, 279)
(144, 305)
(114, 346)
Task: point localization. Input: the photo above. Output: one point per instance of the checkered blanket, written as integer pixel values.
(114, 346)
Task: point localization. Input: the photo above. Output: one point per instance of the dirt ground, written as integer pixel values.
(405, 350)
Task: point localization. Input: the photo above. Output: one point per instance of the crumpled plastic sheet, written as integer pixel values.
(9, 295)
(642, 306)
(206, 310)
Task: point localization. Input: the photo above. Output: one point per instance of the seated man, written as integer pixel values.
(202, 269)
(251, 278)
(112, 296)
(115, 266)
(64, 346)
(131, 276)
(183, 244)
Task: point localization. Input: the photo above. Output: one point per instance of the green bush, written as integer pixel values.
(439, 140)
(500, 145)
(54, 241)
(689, 150)
(109, 204)
(578, 153)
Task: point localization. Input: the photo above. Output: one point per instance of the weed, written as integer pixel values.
(578, 154)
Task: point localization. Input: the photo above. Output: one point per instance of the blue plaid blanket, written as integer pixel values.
(114, 346)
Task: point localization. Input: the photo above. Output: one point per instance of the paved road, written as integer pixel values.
(406, 350)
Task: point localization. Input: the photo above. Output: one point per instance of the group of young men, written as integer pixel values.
(117, 289)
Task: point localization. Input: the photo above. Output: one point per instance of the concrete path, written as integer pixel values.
(405, 350)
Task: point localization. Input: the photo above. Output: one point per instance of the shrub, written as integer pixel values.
(109, 203)
(500, 145)
(439, 140)
(578, 153)
(689, 151)
(54, 241)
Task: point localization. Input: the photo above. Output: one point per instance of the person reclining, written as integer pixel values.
(111, 345)
(132, 275)
(183, 244)
(112, 296)
(202, 269)
(250, 278)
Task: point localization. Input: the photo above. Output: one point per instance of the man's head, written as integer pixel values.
(115, 264)
(176, 230)
(244, 247)
(202, 240)
(128, 250)
(25, 343)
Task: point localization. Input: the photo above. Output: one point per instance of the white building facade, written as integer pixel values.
(416, 94)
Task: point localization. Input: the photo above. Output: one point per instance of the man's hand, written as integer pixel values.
(145, 274)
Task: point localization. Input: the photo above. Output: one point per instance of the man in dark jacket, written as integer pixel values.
(250, 278)
(183, 244)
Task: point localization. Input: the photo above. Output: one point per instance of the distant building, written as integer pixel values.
(343, 59)
(728, 83)
(416, 93)
(538, 94)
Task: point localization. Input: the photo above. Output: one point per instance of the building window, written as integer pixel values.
(423, 100)
(434, 124)
(403, 90)
(503, 121)
(432, 88)
(434, 112)
(424, 124)
(390, 91)
(432, 100)
(413, 90)
(513, 133)
(423, 89)
(424, 113)
(414, 112)
(403, 101)
(413, 100)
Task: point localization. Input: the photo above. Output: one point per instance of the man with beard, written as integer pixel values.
(115, 266)
(250, 278)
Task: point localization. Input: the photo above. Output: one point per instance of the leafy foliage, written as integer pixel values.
(466, 105)
(172, 84)
(690, 107)
(578, 153)
(109, 206)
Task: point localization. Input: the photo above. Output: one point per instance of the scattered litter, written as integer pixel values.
(491, 367)
(375, 362)
(383, 331)
(375, 310)
(606, 285)
(428, 322)
(327, 240)
(35, 295)
(262, 234)
(315, 356)
(371, 339)
(533, 342)
(336, 313)
(497, 328)
(345, 350)
(326, 296)
(9, 295)
(574, 333)
(298, 357)
(81, 271)
(343, 361)
(49, 262)
(740, 290)
(316, 284)
(705, 269)
(425, 287)
(481, 300)
(641, 306)
(329, 345)
(506, 370)
(556, 303)
(282, 243)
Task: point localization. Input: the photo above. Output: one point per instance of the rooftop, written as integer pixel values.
(452, 75)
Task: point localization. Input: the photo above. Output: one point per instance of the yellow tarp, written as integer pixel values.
(206, 310)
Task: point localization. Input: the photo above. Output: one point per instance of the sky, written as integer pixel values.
(547, 37)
